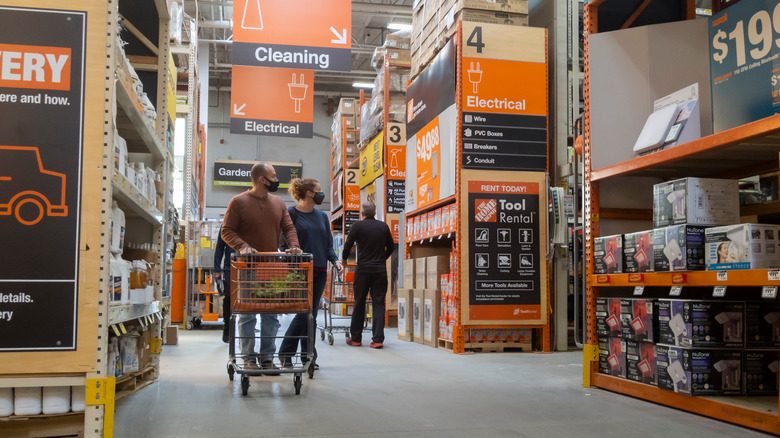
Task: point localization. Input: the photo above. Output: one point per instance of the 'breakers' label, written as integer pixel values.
(39, 67)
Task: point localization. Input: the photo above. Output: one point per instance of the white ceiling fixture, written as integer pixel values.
(399, 26)
(363, 84)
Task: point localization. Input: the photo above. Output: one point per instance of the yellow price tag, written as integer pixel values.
(122, 328)
(116, 330)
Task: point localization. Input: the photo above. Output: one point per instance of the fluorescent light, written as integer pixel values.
(399, 26)
(363, 84)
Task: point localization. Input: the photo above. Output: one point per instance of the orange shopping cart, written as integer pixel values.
(270, 283)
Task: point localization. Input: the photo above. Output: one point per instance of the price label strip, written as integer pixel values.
(639, 290)
(773, 275)
(723, 276)
(769, 292)
(675, 291)
(719, 292)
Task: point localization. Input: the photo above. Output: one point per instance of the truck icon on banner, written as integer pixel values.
(28, 192)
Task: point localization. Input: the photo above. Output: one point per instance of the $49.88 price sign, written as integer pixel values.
(745, 63)
(428, 163)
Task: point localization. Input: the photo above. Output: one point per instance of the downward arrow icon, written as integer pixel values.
(340, 38)
(239, 110)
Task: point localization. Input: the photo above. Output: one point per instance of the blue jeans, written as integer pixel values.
(269, 327)
(299, 327)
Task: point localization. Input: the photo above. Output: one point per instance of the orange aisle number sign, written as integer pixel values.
(310, 34)
(272, 101)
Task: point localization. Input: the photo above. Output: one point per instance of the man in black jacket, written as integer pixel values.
(375, 244)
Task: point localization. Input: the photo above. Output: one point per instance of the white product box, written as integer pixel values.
(696, 201)
(743, 246)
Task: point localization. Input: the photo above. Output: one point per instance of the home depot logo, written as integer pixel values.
(485, 210)
(38, 67)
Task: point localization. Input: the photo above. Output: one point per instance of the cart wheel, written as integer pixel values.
(187, 325)
(231, 371)
(322, 334)
(330, 338)
(311, 370)
(196, 322)
(244, 385)
(298, 381)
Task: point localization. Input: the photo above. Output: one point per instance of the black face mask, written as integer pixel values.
(319, 197)
(274, 185)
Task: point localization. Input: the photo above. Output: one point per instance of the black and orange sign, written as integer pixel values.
(41, 146)
(396, 179)
(352, 197)
(272, 101)
(310, 34)
(505, 262)
(428, 146)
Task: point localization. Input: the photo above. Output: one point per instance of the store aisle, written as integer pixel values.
(406, 390)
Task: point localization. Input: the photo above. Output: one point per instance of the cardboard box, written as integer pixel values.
(695, 371)
(696, 201)
(409, 273)
(760, 372)
(612, 357)
(420, 281)
(608, 317)
(405, 330)
(701, 324)
(762, 324)
(743, 246)
(510, 6)
(435, 266)
(449, 20)
(640, 362)
(347, 106)
(172, 335)
(431, 311)
(417, 314)
(638, 252)
(679, 248)
(608, 254)
(636, 319)
(351, 121)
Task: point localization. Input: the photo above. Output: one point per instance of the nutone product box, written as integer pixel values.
(636, 319)
(417, 315)
(405, 331)
(709, 324)
(608, 317)
(410, 273)
(696, 201)
(696, 371)
(612, 357)
(762, 324)
(437, 222)
(760, 372)
(640, 362)
(679, 248)
(638, 252)
(419, 273)
(743, 246)
(608, 254)
(431, 311)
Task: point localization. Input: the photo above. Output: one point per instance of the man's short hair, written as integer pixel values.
(258, 170)
(369, 209)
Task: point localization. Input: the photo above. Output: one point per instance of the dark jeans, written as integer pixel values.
(299, 327)
(226, 304)
(376, 284)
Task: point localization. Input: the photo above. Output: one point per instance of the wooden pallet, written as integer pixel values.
(498, 347)
(70, 425)
(133, 382)
(446, 344)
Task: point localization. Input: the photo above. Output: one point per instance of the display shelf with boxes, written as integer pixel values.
(681, 314)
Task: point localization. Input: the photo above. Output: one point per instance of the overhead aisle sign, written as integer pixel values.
(504, 99)
(301, 34)
(272, 101)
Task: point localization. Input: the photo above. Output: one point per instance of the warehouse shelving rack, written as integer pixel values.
(743, 151)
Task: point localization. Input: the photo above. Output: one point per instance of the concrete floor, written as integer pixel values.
(406, 390)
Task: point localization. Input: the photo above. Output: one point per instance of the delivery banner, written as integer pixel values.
(272, 101)
(306, 34)
(506, 231)
(42, 77)
(431, 132)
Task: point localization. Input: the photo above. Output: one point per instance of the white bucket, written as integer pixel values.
(27, 401)
(6, 402)
(78, 398)
(56, 400)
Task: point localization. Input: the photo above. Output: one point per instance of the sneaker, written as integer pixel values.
(377, 345)
(269, 365)
(251, 365)
(353, 343)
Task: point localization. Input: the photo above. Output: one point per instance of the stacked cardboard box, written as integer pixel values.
(435, 21)
(346, 117)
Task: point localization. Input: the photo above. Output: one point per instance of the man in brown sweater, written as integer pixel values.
(252, 224)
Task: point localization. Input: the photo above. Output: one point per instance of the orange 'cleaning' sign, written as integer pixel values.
(272, 101)
(311, 34)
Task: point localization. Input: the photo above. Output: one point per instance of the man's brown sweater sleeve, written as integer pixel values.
(288, 229)
(230, 226)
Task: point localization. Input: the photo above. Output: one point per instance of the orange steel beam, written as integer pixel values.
(458, 333)
(635, 14)
(434, 205)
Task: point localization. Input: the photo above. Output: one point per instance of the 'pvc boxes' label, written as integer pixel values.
(701, 323)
